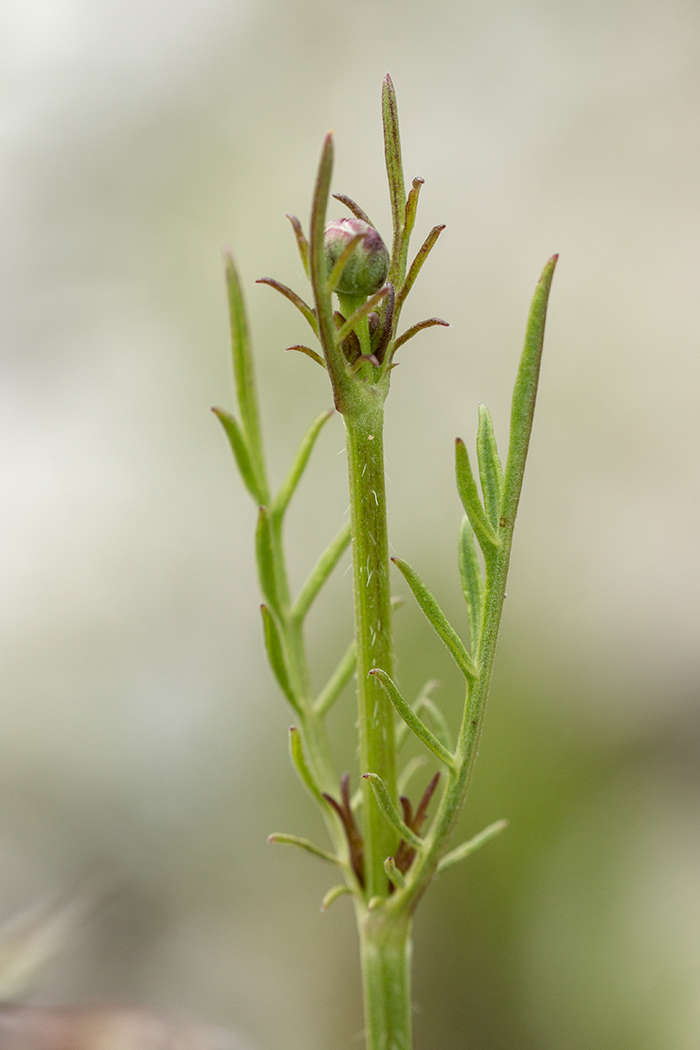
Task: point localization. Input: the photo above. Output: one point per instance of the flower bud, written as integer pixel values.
(366, 270)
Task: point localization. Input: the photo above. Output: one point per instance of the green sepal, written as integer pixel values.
(305, 844)
(337, 681)
(390, 812)
(525, 393)
(472, 581)
(395, 876)
(321, 571)
(281, 500)
(334, 892)
(275, 654)
(414, 723)
(490, 469)
(469, 495)
(266, 560)
(437, 620)
(359, 314)
(239, 447)
(455, 855)
(296, 751)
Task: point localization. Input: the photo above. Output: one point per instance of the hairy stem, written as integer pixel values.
(370, 551)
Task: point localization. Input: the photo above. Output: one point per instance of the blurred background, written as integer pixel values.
(141, 730)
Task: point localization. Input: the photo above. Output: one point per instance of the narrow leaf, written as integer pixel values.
(472, 581)
(390, 812)
(334, 892)
(417, 264)
(414, 723)
(281, 500)
(354, 208)
(394, 169)
(525, 393)
(430, 322)
(490, 469)
(437, 619)
(305, 844)
(469, 495)
(302, 243)
(266, 561)
(297, 300)
(469, 847)
(309, 353)
(321, 571)
(395, 876)
(275, 654)
(239, 447)
(244, 374)
(338, 680)
(296, 751)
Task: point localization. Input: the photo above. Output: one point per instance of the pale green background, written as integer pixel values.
(140, 726)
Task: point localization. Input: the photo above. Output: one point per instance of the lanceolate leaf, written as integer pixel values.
(243, 373)
(394, 170)
(334, 892)
(281, 500)
(467, 848)
(275, 654)
(412, 720)
(240, 451)
(299, 762)
(266, 562)
(490, 469)
(525, 392)
(469, 495)
(305, 844)
(338, 680)
(437, 619)
(472, 581)
(321, 571)
(390, 812)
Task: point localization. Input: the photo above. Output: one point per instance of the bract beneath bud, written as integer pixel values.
(366, 270)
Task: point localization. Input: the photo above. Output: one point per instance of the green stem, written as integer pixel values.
(370, 549)
(385, 949)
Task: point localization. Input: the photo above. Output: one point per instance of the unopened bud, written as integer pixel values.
(366, 270)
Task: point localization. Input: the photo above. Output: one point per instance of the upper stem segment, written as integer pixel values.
(370, 551)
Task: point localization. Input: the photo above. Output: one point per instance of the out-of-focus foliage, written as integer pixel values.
(140, 727)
